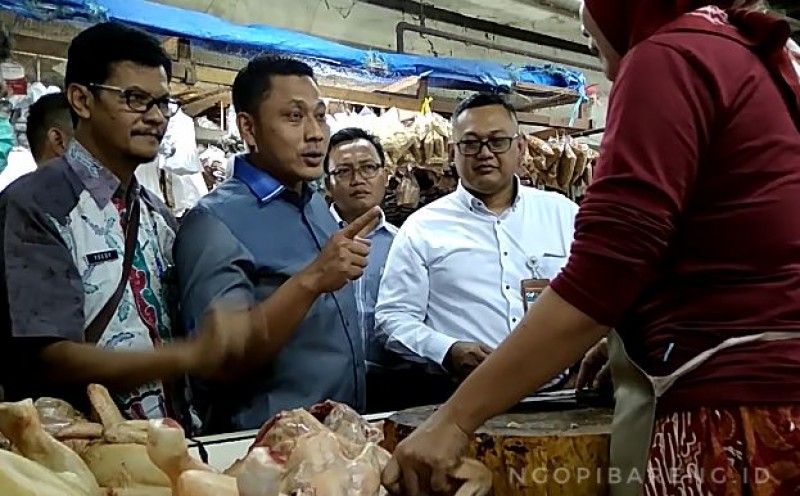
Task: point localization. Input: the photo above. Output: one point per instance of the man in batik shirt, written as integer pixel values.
(64, 245)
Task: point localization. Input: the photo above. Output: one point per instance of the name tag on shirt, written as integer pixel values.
(531, 289)
(102, 256)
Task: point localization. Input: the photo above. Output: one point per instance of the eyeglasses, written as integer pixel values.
(367, 171)
(472, 147)
(141, 102)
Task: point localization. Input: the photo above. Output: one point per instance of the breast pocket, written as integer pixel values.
(549, 265)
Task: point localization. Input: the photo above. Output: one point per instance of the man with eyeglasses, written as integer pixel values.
(86, 255)
(463, 269)
(356, 179)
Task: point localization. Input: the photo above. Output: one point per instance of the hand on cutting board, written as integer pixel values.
(422, 463)
(344, 256)
(464, 357)
(595, 371)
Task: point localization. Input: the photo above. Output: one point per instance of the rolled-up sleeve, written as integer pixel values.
(212, 266)
(403, 302)
(45, 289)
(659, 120)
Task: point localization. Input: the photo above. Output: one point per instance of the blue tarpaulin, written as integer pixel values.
(221, 35)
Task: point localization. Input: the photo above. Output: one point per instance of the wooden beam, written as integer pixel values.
(198, 106)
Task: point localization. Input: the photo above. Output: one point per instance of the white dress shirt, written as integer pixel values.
(455, 270)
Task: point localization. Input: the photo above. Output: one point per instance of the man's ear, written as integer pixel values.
(80, 99)
(58, 140)
(247, 130)
(522, 144)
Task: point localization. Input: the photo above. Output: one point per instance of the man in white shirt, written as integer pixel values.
(455, 277)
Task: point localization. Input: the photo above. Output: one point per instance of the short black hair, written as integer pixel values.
(51, 110)
(349, 134)
(479, 100)
(254, 81)
(95, 49)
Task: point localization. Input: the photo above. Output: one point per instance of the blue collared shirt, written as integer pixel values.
(241, 242)
(366, 288)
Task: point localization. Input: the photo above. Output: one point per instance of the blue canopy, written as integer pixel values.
(221, 35)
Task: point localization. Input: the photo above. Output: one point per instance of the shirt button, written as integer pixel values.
(514, 319)
(508, 287)
(505, 253)
(498, 222)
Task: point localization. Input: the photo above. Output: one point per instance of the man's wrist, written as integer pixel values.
(308, 280)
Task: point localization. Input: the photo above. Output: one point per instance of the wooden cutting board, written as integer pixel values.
(553, 448)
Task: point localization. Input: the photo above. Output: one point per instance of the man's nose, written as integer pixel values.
(315, 130)
(484, 152)
(356, 178)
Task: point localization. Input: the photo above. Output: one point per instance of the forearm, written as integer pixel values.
(276, 318)
(415, 341)
(70, 363)
(552, 336)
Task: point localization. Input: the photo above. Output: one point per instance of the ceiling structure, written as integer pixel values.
(521, 32)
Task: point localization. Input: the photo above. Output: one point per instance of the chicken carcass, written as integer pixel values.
(116, 429)
(346, 422)
(203, 483)
(329, 450)
(20, 476)
(20, 423)
(319, 463)
(260, 475)
(119, 459)
(166, 447)
(280, 434)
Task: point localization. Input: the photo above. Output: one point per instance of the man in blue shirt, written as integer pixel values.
(356, 181)
(265, 239)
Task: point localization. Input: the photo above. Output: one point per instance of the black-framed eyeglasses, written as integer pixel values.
(366, 171)
(496, 144)
(141, 102)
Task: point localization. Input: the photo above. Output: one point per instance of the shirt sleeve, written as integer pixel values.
(212, 266)
(45, 290)
(402, 306)
(659, 118)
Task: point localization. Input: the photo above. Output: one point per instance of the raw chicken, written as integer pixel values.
(20, 423)
(20, 476)
(260, 474)
(346, 422)
(57, 415)
(319, 463)
(116, 429)
(123, 466)
(329, 450)
(166, 447)
(202, 483)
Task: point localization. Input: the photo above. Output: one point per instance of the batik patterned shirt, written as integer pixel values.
(63, 250)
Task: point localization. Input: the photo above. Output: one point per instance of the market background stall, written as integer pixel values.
(400, 91)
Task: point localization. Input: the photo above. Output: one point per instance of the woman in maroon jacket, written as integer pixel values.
(686, 256)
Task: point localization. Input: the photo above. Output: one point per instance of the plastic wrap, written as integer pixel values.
(56, 414)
